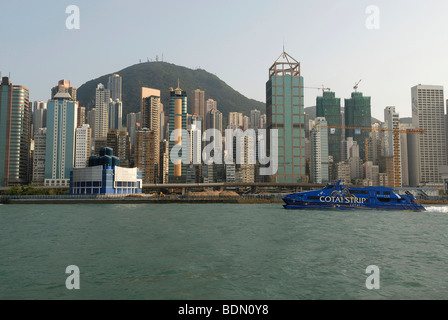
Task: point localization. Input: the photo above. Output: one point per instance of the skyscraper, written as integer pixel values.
(114, 84)
(391, 121)
(15, 117)
(357, 114)
(83, 146)
(150, 113)
(177, 120)
(115, 114)
(144, 155)
(319, 152)
(62, 116)
(40, 137)
(102, 99)
(214, 120)
(235, 120)
(199, 103)
(210, 104)
(329, 107)
(64, 87)
(132, 125)
(255, 116)
(285, 113)
(428, 114)
(39, 116)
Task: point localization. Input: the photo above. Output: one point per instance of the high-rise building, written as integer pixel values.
(246, 121)
(81, 116)
(195, 140)
(39, 115)
(40, 137)
(428, 114)
(124, 148)
(132, 125)
(15, 118)
(83, 146)
(64, 87)
(235, 120)
(214, 120)
(391, 121)
(177, 120)
(319, 151)
(210, 104)
(115, 114)
(285, 113)
(150, 113)
(91, 121)
(358, 114)
(199, 106)
(114, 84)
(62, 117)
(329, 107)
(144, 155)
(102, 99)
(255, 116)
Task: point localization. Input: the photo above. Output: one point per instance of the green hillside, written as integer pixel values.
(162, 76)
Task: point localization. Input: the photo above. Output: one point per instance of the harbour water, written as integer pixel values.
(220, 251)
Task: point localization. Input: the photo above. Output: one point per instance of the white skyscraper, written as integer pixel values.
(83, 146)
(102, 100)
(196, 142)
(391, 121)
(428, 114)
(319, 152)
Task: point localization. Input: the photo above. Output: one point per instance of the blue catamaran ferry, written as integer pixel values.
(338, 196)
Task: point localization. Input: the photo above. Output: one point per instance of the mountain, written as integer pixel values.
(311, 111)
(162, 76)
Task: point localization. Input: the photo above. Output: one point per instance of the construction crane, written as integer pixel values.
(323, 88)
(356, 85)
(396, 137)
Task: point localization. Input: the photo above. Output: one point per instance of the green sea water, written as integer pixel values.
(220, 251)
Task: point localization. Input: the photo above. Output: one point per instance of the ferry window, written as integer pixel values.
(377, 192)
(386, 192)
(313, 197)
(384, 199)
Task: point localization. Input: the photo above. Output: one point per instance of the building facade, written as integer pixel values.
(62, 115)
(102, 99)
(15, 118)
(285, 113)
(357, 113)
(428, 114)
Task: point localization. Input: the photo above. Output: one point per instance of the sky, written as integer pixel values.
(390, 48)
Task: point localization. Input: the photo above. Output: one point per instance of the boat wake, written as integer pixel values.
(442, 209)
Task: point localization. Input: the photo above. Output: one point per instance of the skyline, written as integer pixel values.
(239, 45)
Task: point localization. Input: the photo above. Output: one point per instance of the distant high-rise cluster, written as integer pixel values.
(48, 143)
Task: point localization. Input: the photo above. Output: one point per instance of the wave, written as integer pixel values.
(442, 209)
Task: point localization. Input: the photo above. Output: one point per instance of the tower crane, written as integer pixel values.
(323, 88)
(396, 137)
(356, 85)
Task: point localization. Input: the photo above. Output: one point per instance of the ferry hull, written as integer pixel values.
(344, 198)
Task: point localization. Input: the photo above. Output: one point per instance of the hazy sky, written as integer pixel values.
(236, 40)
